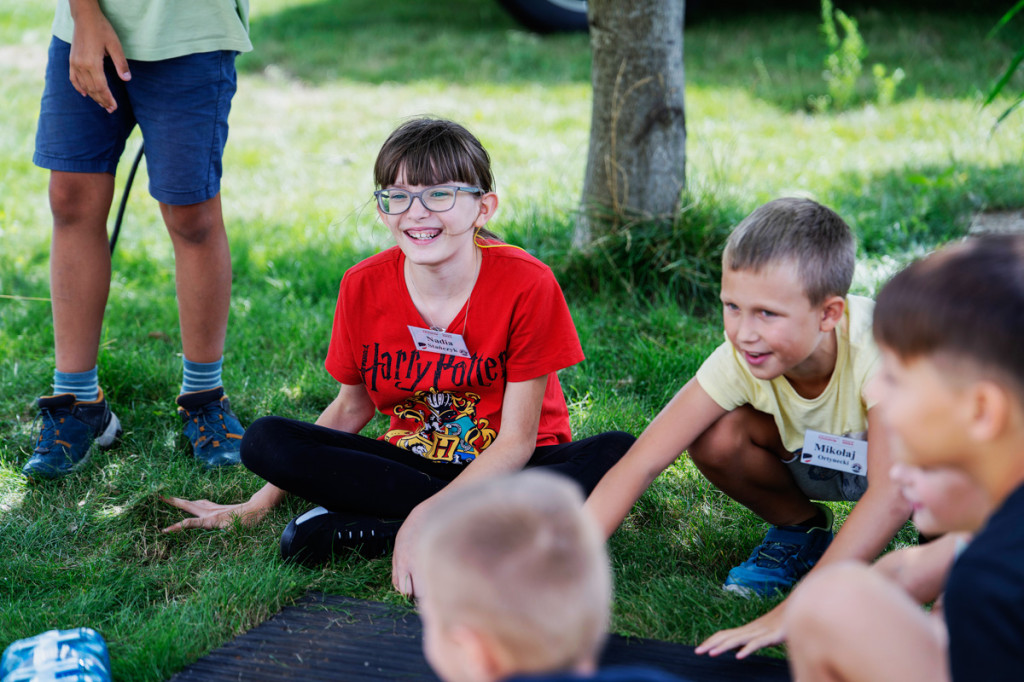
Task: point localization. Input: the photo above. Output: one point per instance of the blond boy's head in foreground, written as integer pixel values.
(516, 581)
(951, 329)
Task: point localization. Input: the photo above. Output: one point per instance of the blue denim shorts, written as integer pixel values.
(181, 106)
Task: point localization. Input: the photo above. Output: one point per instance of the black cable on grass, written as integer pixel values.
(124, 199)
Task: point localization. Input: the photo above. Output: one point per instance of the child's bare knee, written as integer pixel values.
(77, 199)
(720, 443)
(194, 224)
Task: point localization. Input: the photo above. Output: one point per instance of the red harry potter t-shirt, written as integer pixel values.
(516, 327)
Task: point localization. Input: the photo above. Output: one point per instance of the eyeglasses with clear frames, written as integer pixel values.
(438, 199)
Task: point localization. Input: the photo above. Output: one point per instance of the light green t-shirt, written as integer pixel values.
(153, 30)
(842, 407)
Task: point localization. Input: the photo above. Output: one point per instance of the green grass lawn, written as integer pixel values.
(328, 80)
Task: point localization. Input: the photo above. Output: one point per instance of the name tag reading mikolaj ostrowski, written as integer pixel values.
(835, 452)
(437, 341)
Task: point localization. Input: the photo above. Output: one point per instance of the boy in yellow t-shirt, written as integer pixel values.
(777, 417)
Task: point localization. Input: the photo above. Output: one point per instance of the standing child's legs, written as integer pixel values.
(849, 623)
(79, 265)
(77, 415)
(80, 144)
(182, 106)
(743, 455)
(185, 130)
(202, 267)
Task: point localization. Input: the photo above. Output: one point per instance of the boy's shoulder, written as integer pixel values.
(991, 566)
(984, 600)
(860, 311)
(1002, 538)
(861, 308)
(862, 357)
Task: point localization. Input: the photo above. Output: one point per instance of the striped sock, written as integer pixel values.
(201, 376)
(85, 385)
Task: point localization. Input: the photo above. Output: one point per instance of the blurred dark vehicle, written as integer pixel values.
(550, 16)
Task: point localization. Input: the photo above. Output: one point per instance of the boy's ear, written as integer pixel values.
(488, 207)
(832, 312)
(483, 659)
(990, 406)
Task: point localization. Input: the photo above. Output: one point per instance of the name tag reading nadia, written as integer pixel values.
(835, 452)
(437, 341)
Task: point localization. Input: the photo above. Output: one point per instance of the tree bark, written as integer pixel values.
(637, 157)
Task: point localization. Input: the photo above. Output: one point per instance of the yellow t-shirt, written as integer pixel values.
(154, 30)
(842, 407)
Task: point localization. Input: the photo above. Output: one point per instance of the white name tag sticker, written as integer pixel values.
(835, 452)
(436, 341)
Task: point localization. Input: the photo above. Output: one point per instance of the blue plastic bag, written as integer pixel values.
(78, 655)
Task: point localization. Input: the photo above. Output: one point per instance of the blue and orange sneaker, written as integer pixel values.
(785, 555)
(69, 428)
(211, 427)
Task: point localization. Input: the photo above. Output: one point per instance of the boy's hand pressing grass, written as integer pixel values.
(757, 634)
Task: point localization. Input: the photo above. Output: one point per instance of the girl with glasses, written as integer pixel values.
(454, 335)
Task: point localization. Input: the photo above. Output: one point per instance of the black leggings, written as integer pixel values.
(346, 472)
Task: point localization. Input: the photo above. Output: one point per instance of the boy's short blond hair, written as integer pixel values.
(517, 559)
(800, 231)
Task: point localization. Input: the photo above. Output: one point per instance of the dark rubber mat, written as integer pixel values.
(324, 637)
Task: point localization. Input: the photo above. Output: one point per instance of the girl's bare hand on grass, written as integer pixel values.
(207, 514)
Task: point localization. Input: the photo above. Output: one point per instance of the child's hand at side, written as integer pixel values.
(757, 634)
(93, 40)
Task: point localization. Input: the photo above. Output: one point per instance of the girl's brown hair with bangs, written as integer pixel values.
(433, 151)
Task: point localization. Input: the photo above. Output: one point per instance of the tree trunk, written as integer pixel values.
(637, 158)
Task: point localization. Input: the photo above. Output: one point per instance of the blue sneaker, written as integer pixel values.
(211, 427)
(785, 555)
(69, 428)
